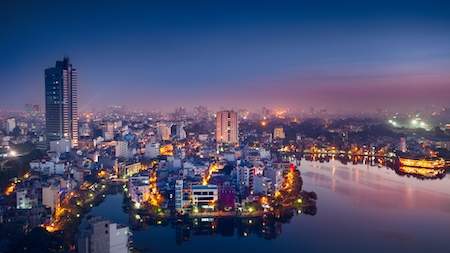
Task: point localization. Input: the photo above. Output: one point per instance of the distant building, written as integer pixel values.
(163, 131)
(227, 127)
(103, 236)
(36, 109)
(10, 125)
(181, 134)
(61, 103)
(278, 133)
(28, 108)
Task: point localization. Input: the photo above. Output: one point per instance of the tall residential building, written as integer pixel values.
(10, 125)
(61, 103)
(121, 149)
(227, 127)
(163, 131)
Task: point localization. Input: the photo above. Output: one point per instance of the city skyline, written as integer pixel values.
(337, 56)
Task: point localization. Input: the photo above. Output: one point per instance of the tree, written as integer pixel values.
(16, 132)
(38, 240)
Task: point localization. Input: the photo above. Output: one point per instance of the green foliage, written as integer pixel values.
(18, 167)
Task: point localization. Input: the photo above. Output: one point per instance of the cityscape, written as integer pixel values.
(199, 127)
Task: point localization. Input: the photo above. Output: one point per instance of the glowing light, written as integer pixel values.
(137, 205)
(12, 153)
(263, 123)
(299, 201)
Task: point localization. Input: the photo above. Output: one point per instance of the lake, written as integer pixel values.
(360, 208)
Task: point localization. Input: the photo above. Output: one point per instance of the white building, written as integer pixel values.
(152, 150)
(50, 196)
(23, 199)
(48, 167)
(61, 146)
(227, 127)
(244, 176)
(204, 196)
(179, 195)
(103, 236)
(139, 189)
(276, 176)
(10, 125)
(262, 185)
(122, 149)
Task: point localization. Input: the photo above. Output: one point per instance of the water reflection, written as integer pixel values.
(268, 226)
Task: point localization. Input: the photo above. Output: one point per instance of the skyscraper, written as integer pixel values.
(61, 103)
(227, 127)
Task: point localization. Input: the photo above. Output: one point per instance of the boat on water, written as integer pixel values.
(423, 163)
(422, 171)
(422, 167)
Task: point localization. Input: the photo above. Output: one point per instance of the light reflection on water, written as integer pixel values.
(360, 209)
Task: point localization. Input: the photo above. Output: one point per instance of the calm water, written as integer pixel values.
(359, 209)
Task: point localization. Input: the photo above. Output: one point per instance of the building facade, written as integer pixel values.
(61, 114)
(227, 127)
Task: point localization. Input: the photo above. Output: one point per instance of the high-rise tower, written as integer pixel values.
(227, 127)
(61, 103)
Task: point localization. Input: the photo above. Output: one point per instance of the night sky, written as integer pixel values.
(164, 54)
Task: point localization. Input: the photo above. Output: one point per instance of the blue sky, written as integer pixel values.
(167, 54)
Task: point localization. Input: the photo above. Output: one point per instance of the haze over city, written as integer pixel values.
(338, 55)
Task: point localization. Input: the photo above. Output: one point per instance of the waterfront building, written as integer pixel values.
(227, 127)
(139, 189)
(276, 176)
(204, 196)
(262, 185)
(244, 176)
(227, 196)
(10, 125)
(284, 166)
(61, 103)
(182, 196)
(278, 133)
(152, 150)
(103, 236)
